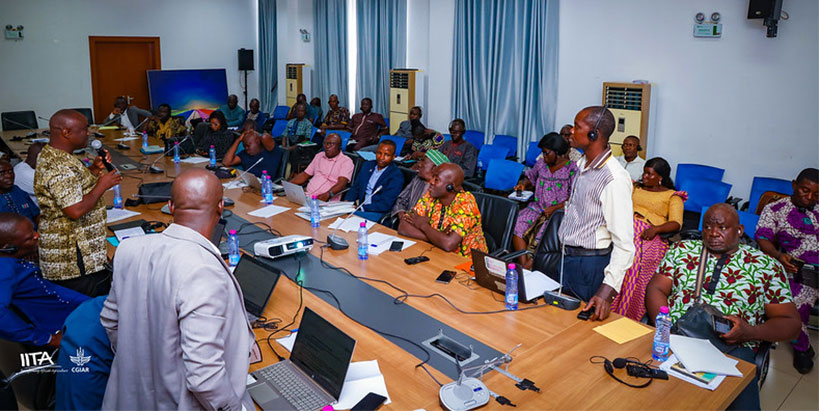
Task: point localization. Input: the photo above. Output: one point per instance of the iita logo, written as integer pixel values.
(34, 359)
(80, 360)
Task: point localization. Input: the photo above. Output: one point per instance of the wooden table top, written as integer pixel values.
(555, 346)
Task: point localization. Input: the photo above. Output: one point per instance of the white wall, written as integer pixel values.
(50, 68)
(435, 36)
(292, 15)
(743, 102)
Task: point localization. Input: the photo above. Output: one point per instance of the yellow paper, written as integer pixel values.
(622, 330)
(108, 128)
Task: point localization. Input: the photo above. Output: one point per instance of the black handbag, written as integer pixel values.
(696, 322)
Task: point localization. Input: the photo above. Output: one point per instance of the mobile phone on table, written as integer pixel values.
(396, 245)
(721, 325)
(446, 276)
(370, 402)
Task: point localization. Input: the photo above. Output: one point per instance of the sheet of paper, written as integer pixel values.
(380, 242)
(398, 158)
(699, 355)
(367, 155)
(125, 138)
(288, 341)
(268, 211)
(622, 330)
(352, 224)
(536, 282)
(117, 214)
(234, 184)
(363, 377)
(667, 366)
(250, 380)
(108, 128)
(129, 232)
(194, 160)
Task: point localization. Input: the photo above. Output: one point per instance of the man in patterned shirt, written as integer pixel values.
(787, 231)
(751, 292)
(72, 212)
(337, 117)
(446, 215)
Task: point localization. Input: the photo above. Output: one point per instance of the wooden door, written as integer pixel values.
(118, 68)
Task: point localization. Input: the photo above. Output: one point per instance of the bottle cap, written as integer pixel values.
(511, 266)
(362, 224)
(313, 197)
(212, 146)
(264, 171)
(176, 143)
(232, 232)
(664, 309)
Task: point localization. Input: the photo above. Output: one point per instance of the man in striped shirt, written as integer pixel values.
(597, 228)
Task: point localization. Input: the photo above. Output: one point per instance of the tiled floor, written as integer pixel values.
(785, 388)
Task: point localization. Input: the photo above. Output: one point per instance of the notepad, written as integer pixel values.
(268, 211)
(622, 330)
(367, 155)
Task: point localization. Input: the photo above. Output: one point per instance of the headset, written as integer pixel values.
(9, 249)
(633, 368)
(593, 134)
(450, 188)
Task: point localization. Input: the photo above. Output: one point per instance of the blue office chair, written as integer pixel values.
(488, 152)
(703, 193)
(447, 137)
(396, 139)
(507, 141)
(761, 185)
(475, 138)
(279, 128)
(533, 151)
(749, 221)
(502, 174)
(280, 112)
(316, 137)
(698, 171)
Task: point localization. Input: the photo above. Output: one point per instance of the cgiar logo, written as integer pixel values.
(80, 359)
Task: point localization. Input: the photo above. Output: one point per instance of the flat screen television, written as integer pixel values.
(188, 89)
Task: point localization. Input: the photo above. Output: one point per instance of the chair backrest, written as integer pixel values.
(507, 141)
(761, 185)
(489, 152)
(283, 163)
(766, 198)
(703, 193)
(532, 154)
(279, 128)
(345, 136)
(35, 390)
(471, 187)
(19, 120)
(408, 174)
(90, 117)
(317, 137)
(357, 165)
(748, 220)
(280, 112)
(396, 139)
(548, 252)
(498, 216)
(447, 137)
(475, 138)
(503, 175)
(699, 171)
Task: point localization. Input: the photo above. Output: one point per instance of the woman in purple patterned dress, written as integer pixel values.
(552, 178)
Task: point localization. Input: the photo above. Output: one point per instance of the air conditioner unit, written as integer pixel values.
(629, 103)
(406, 91)
(297, 80)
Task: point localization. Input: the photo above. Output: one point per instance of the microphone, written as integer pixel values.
(97, 145)
(339, 243)
(133, 132)
(43, 118)
(166, 152)
(249, 168)
(111, 120)
(33, 131)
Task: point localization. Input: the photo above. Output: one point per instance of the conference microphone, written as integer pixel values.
(43, 118)
(166, 152)
(111, 120)
(97, 145)
(339, 243)
(33, 131)
(133, 132)
(249, 168)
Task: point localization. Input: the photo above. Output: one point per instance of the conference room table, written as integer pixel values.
(555, 347)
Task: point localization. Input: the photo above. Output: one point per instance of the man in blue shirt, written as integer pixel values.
(22, 289)
(374, 174)
(233, 113)
(13, 199)
(82, 387)
(259, 148)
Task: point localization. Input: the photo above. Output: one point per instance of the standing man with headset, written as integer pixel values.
(597, 228)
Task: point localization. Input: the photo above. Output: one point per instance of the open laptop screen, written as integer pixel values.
(323, 352)
(256, 281)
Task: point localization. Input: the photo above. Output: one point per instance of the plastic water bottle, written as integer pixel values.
(144, 139)
(176, 152)
(233, 248)
(212, 153)
(660, 345)
(268, 191)
(315, 216)
(363, 243)
(117, 196)
(511, 291)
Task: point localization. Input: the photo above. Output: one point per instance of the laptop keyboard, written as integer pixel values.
(298, 392)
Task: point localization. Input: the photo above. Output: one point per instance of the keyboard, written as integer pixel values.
(296, 390)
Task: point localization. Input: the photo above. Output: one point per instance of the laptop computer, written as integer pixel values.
(313, 376)
(257, 282)
(295, 193)
(253, 181)
(491, 273)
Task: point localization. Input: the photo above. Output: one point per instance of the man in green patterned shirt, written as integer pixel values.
(72, 222)
(751, 292)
